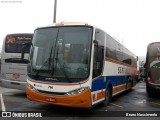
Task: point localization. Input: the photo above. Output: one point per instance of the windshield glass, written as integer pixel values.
(154, 58)
(62, 52)
(14, 43)
(155, 70)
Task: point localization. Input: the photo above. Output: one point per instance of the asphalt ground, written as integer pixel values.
(130, 102)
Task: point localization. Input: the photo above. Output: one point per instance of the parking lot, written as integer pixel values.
(133, 100)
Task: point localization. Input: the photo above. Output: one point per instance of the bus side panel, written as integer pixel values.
(98, 90)
(119, 76)
(100, 85)
(118, 84)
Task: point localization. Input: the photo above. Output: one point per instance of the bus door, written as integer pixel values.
(98, 85)
(98, 60)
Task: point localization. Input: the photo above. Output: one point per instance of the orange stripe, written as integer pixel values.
(132, 68)
(58, 84)
(118, 62)
(100, 95)
(124, 54)
(118, 89)
(93, 97)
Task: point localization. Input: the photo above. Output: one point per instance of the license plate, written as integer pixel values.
(50, 99)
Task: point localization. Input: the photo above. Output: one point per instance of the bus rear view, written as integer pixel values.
(153, 68)
(14, 60)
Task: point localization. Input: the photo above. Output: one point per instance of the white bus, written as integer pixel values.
(14, 60)
(78, 65)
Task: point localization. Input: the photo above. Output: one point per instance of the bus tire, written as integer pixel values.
(108, 96)
(148, 90)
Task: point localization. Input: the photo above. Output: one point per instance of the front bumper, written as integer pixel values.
(153, 87)
(13, 84)
(82, 100)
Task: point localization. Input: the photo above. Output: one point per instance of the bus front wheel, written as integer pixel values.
(108, 96)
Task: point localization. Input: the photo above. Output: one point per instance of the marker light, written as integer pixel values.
(31, 87)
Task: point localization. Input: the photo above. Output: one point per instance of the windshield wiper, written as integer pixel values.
(52, 72)
(44, 64)
(56, 59)
(64, 72)
(50, 57)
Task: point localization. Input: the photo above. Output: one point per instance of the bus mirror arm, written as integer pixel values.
(22, 55)
(95, 42)
(23, 49)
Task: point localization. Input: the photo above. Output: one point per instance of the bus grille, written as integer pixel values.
(51, 93)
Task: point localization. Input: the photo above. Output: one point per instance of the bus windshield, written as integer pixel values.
(14, 43)
(154, 58)
(61, 52)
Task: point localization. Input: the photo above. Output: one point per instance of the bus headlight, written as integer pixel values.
(77, 91)
(31, 87)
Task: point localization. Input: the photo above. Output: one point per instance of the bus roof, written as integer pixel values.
(20, 34)
(68, 23)
(81, 23)
(153, 43)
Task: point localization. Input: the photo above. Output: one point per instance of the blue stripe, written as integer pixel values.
(101, 83)
(98, 84)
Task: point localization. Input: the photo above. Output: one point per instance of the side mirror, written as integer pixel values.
(29, 68)
(95, 42)
(137, 58)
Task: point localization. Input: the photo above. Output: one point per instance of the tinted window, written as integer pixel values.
(155, 70)
(62, 51)
(110, 47)
(154, 52)
(100, 36)
(117, 51)
(15, 42)
(154, 61)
